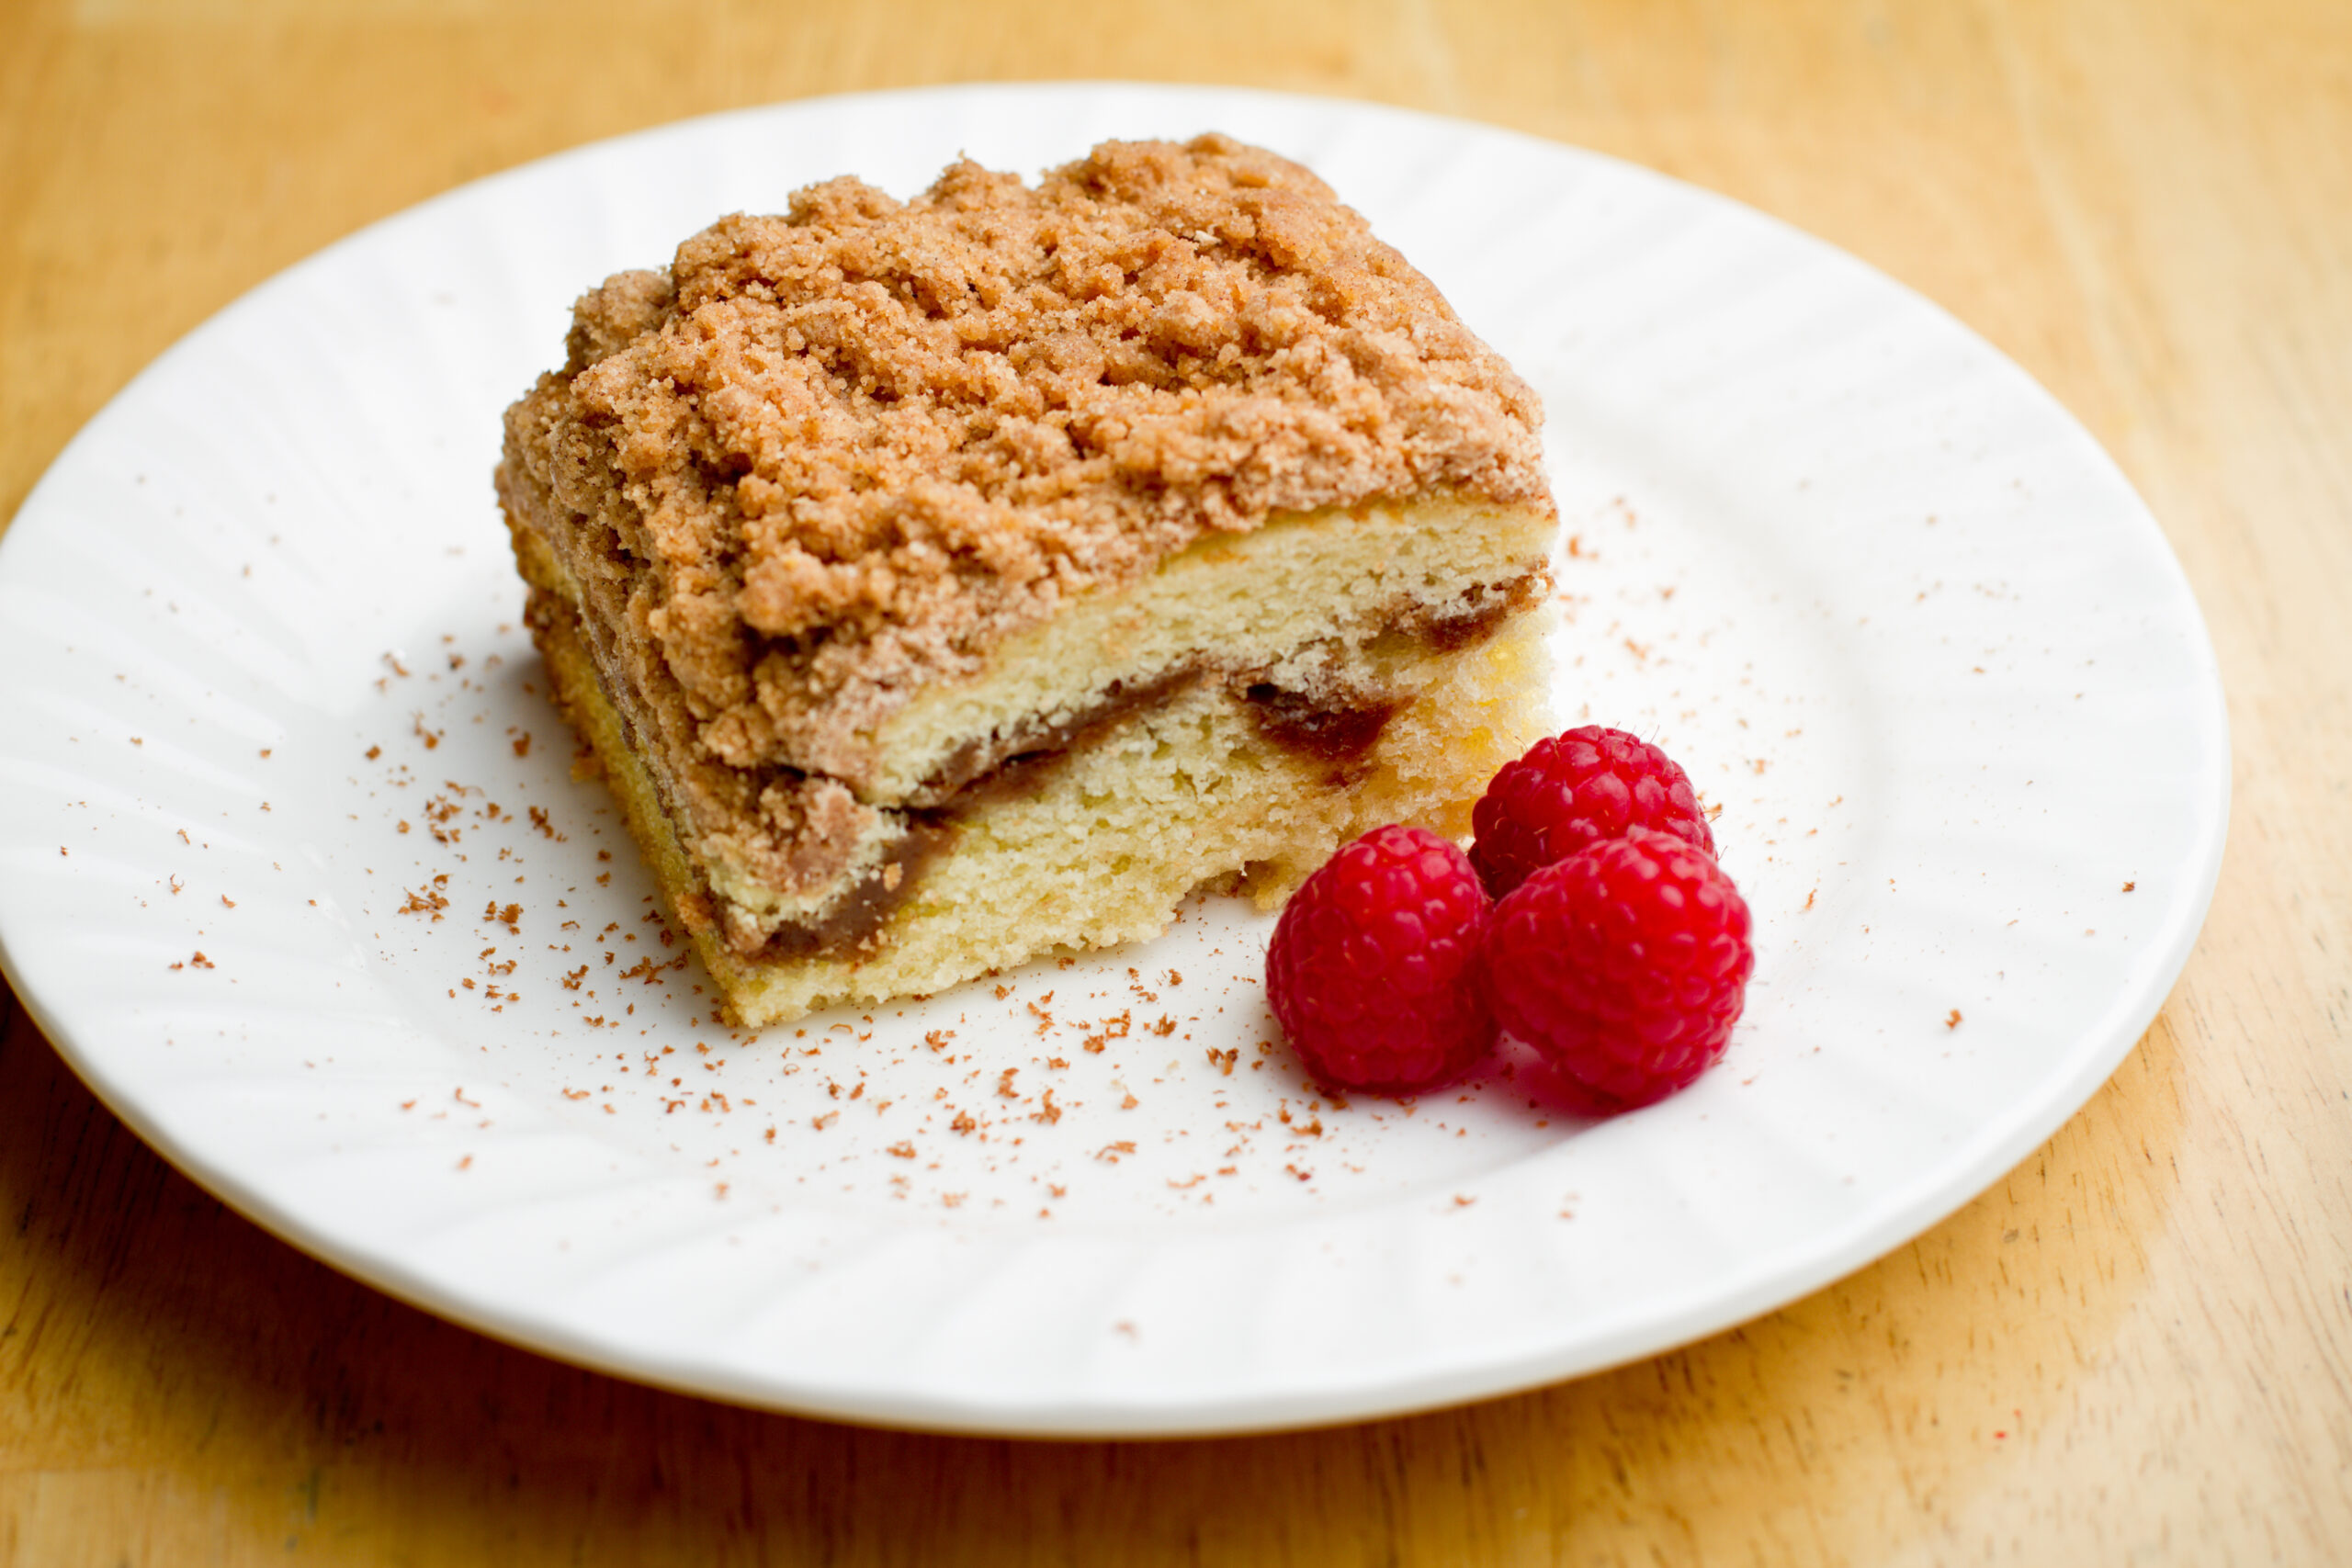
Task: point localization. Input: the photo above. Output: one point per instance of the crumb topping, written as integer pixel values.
(832, 455)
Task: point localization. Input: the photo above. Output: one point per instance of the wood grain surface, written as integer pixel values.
(2137, 1347)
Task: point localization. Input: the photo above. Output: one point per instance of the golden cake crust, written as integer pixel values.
(843, 451)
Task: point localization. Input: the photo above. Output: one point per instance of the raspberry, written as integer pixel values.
(1572, 790)
(1624, 965)
(1374, 968)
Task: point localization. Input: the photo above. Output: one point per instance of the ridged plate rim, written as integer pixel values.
(1222, 1378)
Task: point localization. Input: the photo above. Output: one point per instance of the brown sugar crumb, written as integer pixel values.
(920, 425)
(426, 900)
(1952, 1022)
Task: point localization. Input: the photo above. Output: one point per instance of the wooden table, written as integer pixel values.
(2137, 1346)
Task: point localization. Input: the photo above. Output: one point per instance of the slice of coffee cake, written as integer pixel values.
(944, 583)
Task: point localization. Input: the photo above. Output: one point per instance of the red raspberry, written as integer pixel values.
(1624, 964)
(1374, 968)
(1572, 790)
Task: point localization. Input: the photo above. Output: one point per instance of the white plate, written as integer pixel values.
(1900, 617)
